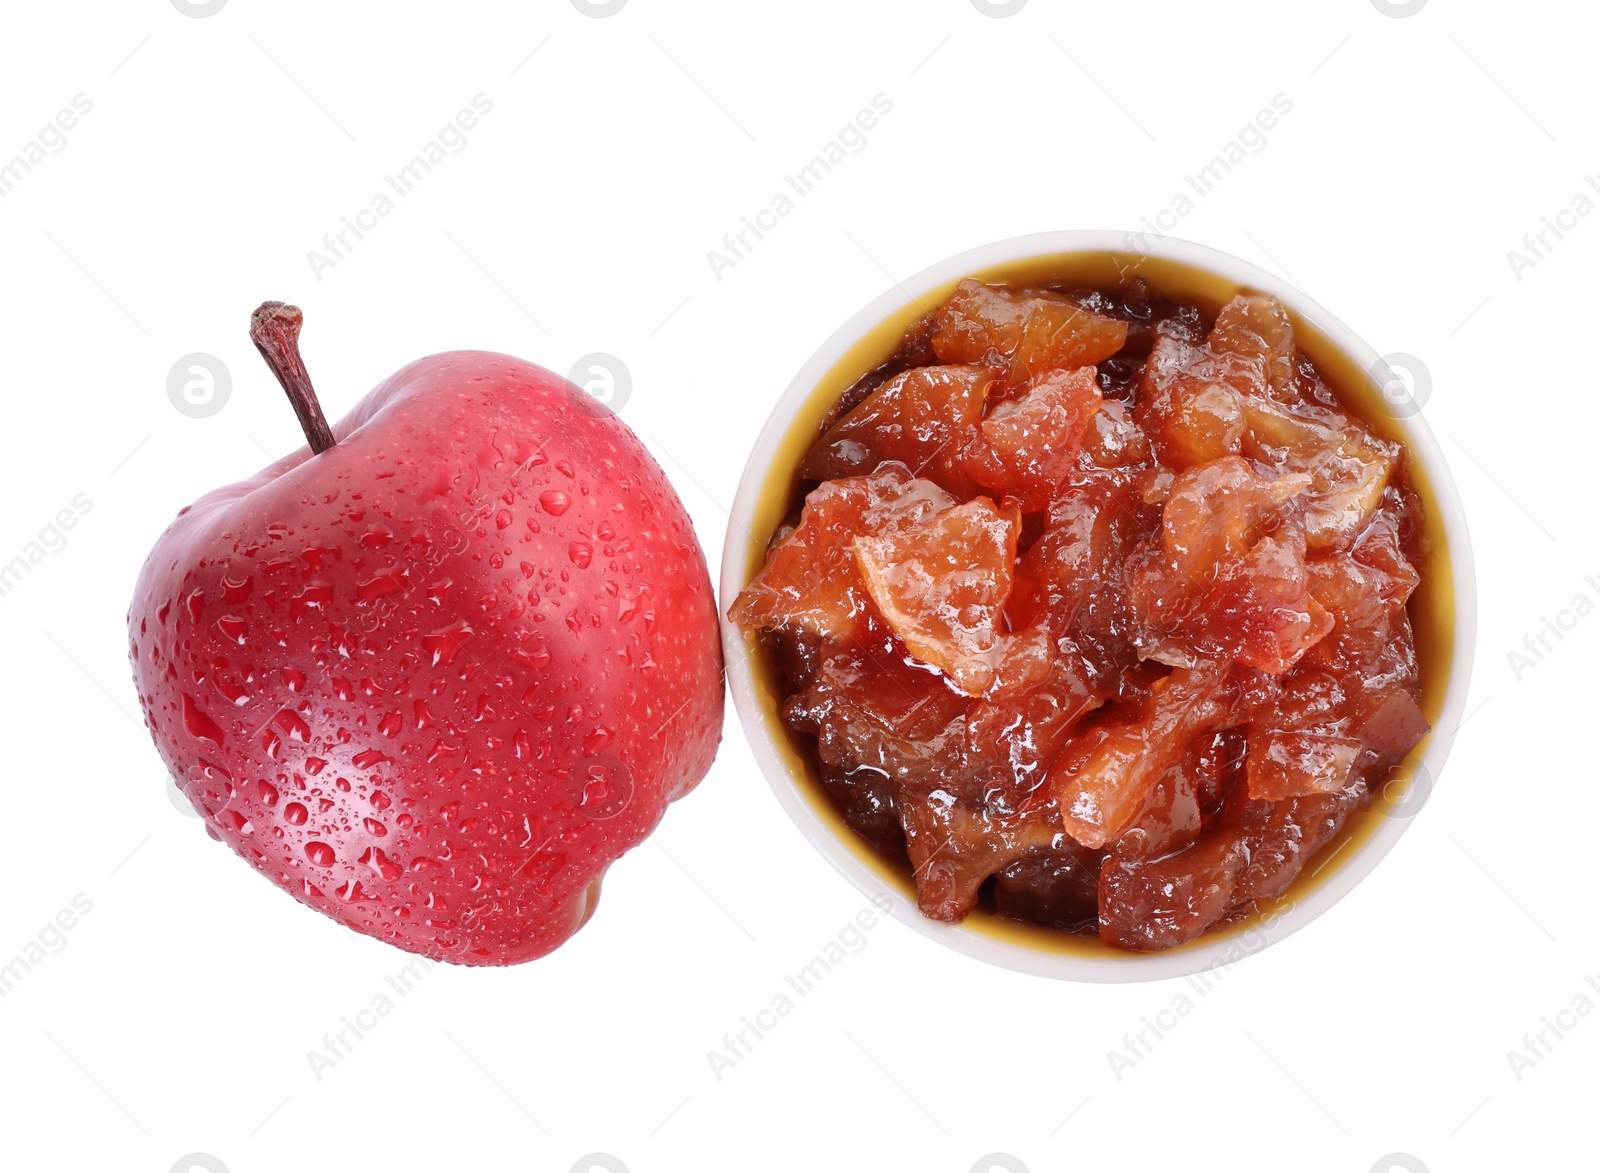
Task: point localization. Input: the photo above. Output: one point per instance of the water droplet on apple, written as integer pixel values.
(320, 854)
(295, 814)
(581, 553)
(199, 725)
(380, 864)
(443, 644)
(385, 582)
(293, 724)
(554, 502)
(604, 787)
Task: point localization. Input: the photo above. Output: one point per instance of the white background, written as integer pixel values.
(178, 1016)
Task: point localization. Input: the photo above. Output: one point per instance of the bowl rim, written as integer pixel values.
(1115, 968)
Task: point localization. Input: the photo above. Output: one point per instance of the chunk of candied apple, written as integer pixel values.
(924, 418)
(1351, 703)
(1113, 439)
(1257, 330)
(1252, 852)
(810, 581)
(1106, 774)
(954, 848)
(1289, 765)
(941, 583)
(870, 708)
(1152, 903)
(1021, 333)
(1189, 402)
(1346, 465)
(1012, 738)
(1170, 819)
(1072, 575)
(1218, 512)
(1280, 838)
(1058, 888)
(1028, 445)
(1220, 583)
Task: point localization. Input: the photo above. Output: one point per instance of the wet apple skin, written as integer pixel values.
(436, 679)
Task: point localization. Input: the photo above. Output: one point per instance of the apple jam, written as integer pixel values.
(1093, 610)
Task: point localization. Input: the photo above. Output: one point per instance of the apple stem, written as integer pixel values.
(275, 329)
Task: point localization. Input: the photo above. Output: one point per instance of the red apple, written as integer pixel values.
(432, 674)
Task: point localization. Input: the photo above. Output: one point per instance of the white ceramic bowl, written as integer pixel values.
(1443, 611)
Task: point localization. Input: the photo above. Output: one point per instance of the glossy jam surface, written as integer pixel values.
(1094, 611)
